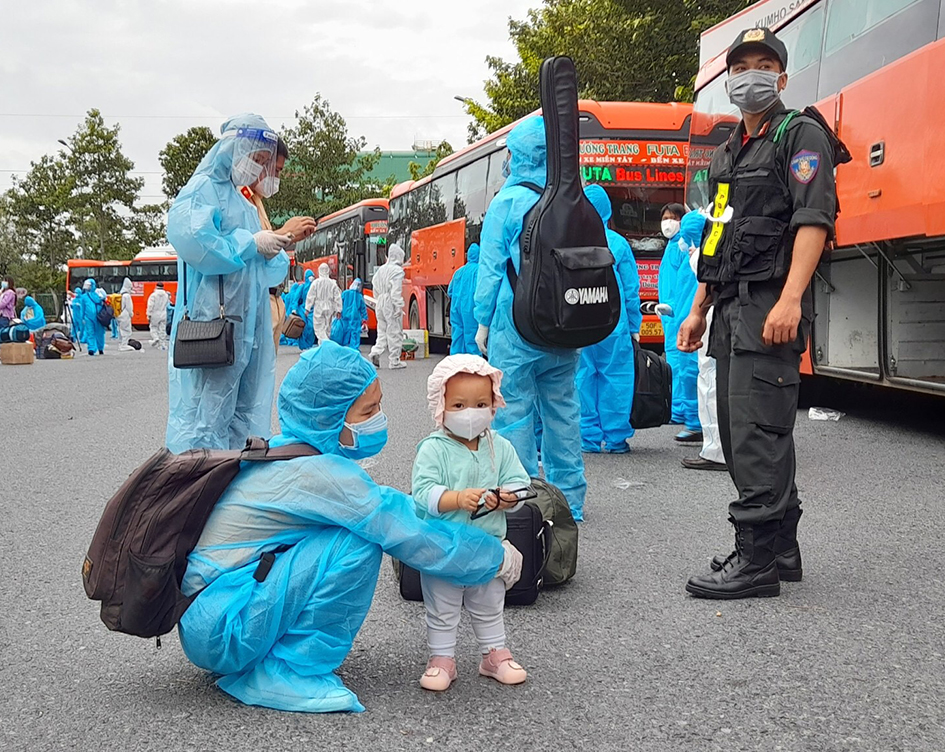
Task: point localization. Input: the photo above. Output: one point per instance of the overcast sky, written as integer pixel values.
(161, 66)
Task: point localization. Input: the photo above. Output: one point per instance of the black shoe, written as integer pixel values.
(700, 463)
(787, 552)
(750, 573)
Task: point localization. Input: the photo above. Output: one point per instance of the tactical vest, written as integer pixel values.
(754, 245)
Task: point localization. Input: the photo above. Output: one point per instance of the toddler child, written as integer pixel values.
(455, 469)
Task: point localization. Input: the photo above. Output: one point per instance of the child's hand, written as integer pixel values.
(468, 500)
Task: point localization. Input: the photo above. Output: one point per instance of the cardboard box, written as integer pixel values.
(422, 338)
(17, 354)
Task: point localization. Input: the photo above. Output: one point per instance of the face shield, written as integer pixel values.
(253, 154)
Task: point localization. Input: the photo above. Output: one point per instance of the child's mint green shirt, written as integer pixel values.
(443, 464)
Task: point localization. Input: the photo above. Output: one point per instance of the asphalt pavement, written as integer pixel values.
(618, 659)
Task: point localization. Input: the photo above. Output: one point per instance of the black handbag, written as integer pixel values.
(204, 344)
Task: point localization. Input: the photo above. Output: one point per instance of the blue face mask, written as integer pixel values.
(370, 437)
(507, 165)
(4, 285)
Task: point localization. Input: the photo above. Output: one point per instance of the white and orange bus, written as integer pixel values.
(873, 69)
(636, 151)
(352, 241)
(150, 266)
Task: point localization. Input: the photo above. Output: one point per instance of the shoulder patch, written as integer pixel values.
(804, 166)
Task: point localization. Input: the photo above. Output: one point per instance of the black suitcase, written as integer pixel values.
(529, 533)
(652, 389)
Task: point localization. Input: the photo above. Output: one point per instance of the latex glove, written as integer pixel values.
(511, 570)
(269, 243)
(482, 339)
(663, 309)
(636, 336)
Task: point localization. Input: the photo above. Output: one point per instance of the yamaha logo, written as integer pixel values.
(586, 295)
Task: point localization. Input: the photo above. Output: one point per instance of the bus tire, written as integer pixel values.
(414, 315)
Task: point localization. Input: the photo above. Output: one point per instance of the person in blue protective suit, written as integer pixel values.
(677, 288)
(538, 382)
(218, 238)
(32, 314)
(277, 643)
(307, 338)
(75, 314)
(462, 292)
(93, 332)
(346, 331)
(606, 372)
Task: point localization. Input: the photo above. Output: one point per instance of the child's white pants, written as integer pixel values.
(443, 603)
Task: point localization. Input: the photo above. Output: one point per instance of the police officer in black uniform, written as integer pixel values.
(774, 210)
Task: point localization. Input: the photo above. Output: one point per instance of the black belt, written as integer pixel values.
(273, 290)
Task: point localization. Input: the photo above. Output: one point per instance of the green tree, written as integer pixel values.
(22, 259)
(624, 50)
(105, 191)
(418, 171)
(180, 157)
(39, 211)
(327, 168)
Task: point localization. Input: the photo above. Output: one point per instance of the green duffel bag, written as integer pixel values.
(562, 563)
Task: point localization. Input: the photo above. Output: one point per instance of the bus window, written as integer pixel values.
(442, 198)
(803, 38)
(637, 210)
(496, 178)
(418, 213)
(864, 35)
(471, 198)
(397, 220)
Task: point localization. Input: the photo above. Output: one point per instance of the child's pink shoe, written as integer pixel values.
(440, 673)
(499, 665)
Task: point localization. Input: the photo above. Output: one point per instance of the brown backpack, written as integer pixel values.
(138, 554)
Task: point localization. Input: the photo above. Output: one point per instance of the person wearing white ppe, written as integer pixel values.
(323, 303)
(157, 316)
(388, 283)
(124, 318)
(711, 457)
(219, 238)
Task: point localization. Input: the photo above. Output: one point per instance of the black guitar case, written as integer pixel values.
(566, 293)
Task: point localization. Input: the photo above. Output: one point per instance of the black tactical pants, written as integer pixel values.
(757, 401)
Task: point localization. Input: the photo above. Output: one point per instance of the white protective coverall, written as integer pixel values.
(388, 286)
(323, 303)
(708, 410)
(157, 317)
(127, 312)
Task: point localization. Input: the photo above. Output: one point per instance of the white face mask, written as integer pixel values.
(669, 227)
(246, 172)
(469, 422)
(268, 186)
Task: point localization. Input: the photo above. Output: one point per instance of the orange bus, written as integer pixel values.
(352, 241)
(150, 266)
(872, 67)
(636, 151)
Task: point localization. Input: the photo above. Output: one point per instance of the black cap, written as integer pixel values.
(759, 37)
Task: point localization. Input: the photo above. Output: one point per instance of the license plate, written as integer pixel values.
(651, 329)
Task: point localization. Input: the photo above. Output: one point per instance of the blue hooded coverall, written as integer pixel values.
(346, 331)
(537, 382)
(677, 287)
(211, 226)
(93, 333)
(606, 372)
(462, 292)
(39, 315)
(307, 338)
(278, 643)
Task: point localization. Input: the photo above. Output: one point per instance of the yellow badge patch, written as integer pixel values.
(755, 35)
(721, 204)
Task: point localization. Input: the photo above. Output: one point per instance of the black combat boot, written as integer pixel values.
(787, 552)
(750, 573)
